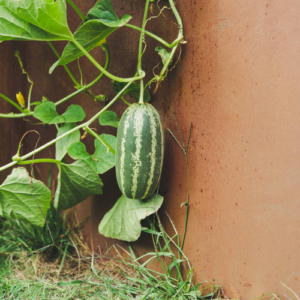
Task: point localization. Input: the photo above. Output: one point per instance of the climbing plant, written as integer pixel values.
(21, 195)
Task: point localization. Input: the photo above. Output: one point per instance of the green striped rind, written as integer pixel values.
(139, 151)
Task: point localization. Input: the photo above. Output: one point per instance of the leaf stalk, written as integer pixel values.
(86, 124)
(140, 53)
(97, 65)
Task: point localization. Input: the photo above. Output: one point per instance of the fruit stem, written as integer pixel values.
(139, 65)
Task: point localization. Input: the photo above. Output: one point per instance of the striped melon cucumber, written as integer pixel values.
(139, 151)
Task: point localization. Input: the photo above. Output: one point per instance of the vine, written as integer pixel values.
(40, 20)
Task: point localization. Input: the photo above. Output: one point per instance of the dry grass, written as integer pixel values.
(57, 270)
(69, 270)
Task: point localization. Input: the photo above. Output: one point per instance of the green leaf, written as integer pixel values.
(78, 151)
(109, 118)
(62, 145)
(105, 159)
(102, 160)
(46, 112)
(24, 198)
(122, 222)
(103, 11)
(101, 21)
(133, 90)
(163, 53)
(37, 20)
(76, 182)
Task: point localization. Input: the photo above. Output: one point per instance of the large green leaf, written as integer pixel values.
(102, 160)
(37, 20)
(24, 198)
(76, 182)
(101, 21)
(46, 112)
(122, 222)
(133, 90)
(62, 145)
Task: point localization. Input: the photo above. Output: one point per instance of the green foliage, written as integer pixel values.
(102, 276)
(163, 53)
(109, 118)
(24, 198)
(19, 236)
(76, 182)
(101, 21)
(46, 112)
(122, 222)
(102, 160)
(103, 11)
(62, 145)
(46, 20)
(133, 90)
(36, 20)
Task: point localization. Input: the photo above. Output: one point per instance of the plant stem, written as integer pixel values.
(12, 103)
(111, 76)
(188, 201)
(56, 103)
(177, 16)
(180, 37)
(167, 240)
(140, 53)
(80, 71)
(66, 68)
(76, 9)
(37, 161)
(125, 101)
(29, 97)
(86, 124)
(162, 41)
(188, 184)
(17, 55)
(149, 82)
(12, 115)
(108, 105)
(94, 134)
(104, 47)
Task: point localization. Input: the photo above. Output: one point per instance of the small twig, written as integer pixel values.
(185, 151)
(178, 131)
(81, 76)
(38, 123)
(179, 55)
(17, 55)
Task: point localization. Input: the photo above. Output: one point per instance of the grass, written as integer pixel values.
(55, 262)
(34, 267)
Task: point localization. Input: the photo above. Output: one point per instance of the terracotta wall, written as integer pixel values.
(238, 82)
